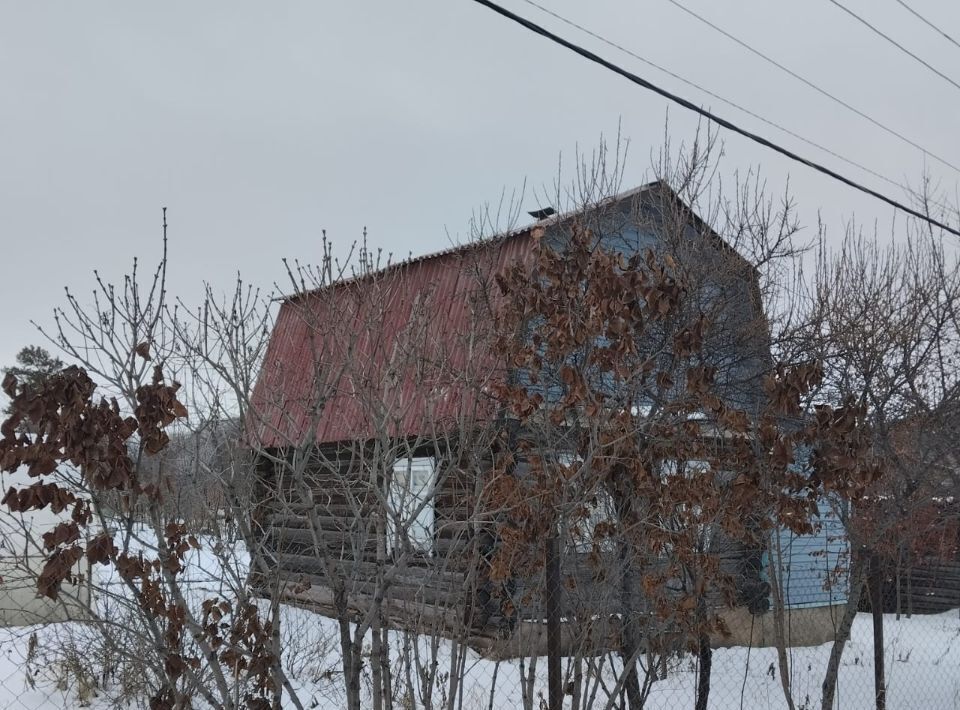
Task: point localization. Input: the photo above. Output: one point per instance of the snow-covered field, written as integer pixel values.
(47, 667)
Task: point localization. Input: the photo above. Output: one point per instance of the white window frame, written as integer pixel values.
(691, 467)
(601, 510)
(412, 482)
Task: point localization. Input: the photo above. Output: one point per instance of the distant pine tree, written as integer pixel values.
(34, 366)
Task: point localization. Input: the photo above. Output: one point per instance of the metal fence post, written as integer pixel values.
(552, 590)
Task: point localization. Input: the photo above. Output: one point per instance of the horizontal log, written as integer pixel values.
(304, 529)
(445, 547)
(343, 519)
(422, 569)
(295, 524)
(348, 518)
(454, 507)
(296, 514)
(420, 618)
(335, 546)
(455, 553)
(416, 597)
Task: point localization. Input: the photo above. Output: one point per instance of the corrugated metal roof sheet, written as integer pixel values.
(403, 351)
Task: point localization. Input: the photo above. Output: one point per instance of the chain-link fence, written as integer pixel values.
(84, 650)
(373, 548)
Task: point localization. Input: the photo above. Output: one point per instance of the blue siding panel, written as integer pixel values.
(813, 567)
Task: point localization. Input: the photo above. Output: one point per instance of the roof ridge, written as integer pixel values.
(477, 243)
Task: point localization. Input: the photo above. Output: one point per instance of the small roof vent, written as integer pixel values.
(542, 214)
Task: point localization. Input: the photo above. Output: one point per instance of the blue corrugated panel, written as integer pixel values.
(813, 567)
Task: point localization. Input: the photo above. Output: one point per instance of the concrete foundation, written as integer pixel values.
(811, 626)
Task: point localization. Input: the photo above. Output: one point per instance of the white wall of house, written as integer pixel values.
(21, 560)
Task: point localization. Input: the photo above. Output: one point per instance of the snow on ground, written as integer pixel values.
(922, 661)
(922, 671)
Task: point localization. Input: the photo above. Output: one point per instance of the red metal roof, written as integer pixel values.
(403, 351)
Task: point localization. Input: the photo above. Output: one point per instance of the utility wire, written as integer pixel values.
(929, 24)
(894, 42)
(587, 54)
(710, 93)
(813, 86)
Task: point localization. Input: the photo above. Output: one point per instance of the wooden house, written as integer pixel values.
(373, 397)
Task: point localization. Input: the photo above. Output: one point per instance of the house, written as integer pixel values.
(22, 558)
(377, 437)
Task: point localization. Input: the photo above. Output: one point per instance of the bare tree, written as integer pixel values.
(883, 322)
(97, 434)
(601, 432)
(645, 395)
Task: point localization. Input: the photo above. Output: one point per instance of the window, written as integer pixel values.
(600, 509)
(689, 514)
(410, 499)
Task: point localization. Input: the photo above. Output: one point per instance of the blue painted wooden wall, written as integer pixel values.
(812, 567)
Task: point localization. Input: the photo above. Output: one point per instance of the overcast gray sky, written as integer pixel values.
(259, 124)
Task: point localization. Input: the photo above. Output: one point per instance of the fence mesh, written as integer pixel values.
(52, 655)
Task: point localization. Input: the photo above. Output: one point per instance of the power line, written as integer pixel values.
(928, 23)
(894, 42)
(587, 54)
(714, 95)
(813, 86)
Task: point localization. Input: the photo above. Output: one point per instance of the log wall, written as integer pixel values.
(317, 537)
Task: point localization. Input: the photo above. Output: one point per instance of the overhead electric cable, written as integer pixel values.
(587, 54)
(813, 86)
(928, 23)
(714, 95)
(894, 42)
